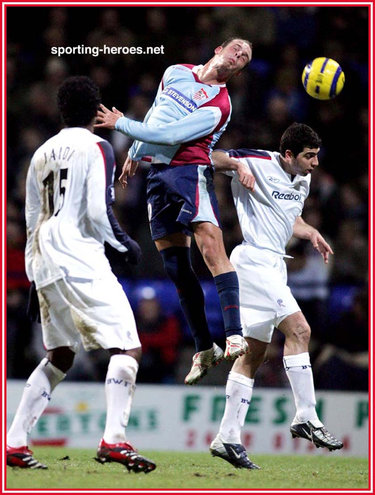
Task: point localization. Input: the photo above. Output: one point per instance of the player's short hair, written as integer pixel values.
(229, 40)
(78, 99)
(297, 137)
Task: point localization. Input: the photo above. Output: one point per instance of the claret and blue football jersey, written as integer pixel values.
(184, 123)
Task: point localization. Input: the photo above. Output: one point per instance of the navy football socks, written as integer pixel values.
(178, 266)
(228, 290)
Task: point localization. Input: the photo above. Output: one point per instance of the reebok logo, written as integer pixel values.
(273, 179)
(287, 196)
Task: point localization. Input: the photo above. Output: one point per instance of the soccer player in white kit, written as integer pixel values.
(69, 197)
(269, 190)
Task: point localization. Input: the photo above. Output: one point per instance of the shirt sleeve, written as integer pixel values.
(136, 148)
(245, 156)
(32, 210)
(100, 198)
(200, 123)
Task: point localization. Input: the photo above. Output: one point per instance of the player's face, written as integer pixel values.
(233, 57)
(305, 162)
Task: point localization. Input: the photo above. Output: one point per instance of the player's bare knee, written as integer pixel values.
(242, 365)
(211, 260)
(210, 243)
(256, 359)
(301, 333)
(246, 359)
(135, 353)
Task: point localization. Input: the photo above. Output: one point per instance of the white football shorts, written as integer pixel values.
(265, 298)
(94, 312)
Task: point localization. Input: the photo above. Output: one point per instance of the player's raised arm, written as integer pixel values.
(200, 123)
(223, 162)
(303, 230)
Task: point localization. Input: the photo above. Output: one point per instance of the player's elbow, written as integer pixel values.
(162, 137)
(171, 139)
(172, 142)
(222, 162)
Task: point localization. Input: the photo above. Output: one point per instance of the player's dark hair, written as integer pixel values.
(297, 137)
(229, 40)
(78, 100)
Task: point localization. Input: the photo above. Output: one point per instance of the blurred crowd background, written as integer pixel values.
(267, 96)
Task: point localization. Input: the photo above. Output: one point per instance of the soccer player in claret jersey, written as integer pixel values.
(69, 197)
(191, 110)
(269, 214)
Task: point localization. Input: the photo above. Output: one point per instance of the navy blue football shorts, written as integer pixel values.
(177, 196)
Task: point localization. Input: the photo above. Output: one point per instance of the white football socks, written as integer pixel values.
(299, 373)
(119, 390)
(35, 398)
(239, 390)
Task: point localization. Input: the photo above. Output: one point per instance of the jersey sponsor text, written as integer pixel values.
(288, 196)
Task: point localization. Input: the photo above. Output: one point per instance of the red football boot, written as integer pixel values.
(125, 454)
(22, 457)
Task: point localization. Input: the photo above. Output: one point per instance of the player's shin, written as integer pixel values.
(299, 373)
(228, 289)
(239, 390)
(119, 389)
(35, 398)
(178, 267)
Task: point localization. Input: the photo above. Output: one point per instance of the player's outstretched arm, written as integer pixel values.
(222, 163)
(201, 122)
(107, 118)
(303, 230)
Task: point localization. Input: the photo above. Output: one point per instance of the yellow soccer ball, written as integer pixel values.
(323, 78)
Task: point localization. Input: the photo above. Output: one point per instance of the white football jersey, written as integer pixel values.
(69, 193)
(267, 215)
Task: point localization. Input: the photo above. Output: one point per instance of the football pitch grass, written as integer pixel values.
(75, 468)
